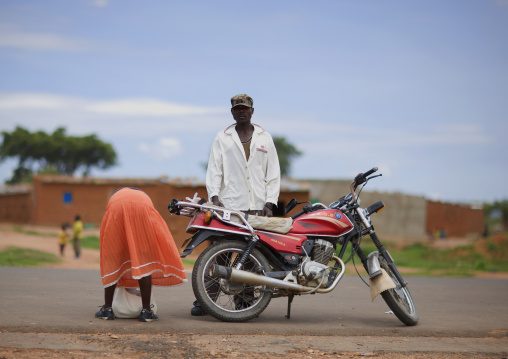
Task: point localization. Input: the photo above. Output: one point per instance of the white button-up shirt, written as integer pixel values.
(239, 183)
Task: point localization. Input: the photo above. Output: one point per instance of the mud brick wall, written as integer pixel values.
(15, 208)
(456, 220)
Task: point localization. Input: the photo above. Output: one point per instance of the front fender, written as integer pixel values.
(198, 238)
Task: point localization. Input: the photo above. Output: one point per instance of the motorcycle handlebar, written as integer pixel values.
(362, 177)
(369, 172)
(306, 209)
(297, 214)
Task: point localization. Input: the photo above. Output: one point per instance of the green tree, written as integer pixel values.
(498, 209)
(54, 153)
(286, 153)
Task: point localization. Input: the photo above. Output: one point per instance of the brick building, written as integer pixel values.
(53, 200)
(455, 220)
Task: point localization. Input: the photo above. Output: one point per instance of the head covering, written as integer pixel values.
(242, 100)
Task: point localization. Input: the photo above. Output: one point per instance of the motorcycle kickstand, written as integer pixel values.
(290, 300)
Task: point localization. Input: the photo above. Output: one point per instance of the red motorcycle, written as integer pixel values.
(253, 259)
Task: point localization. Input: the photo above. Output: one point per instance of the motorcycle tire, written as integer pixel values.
(225, 300)
(399, 299)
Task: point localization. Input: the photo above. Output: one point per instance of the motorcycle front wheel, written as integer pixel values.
(399, 299)
(225, 300)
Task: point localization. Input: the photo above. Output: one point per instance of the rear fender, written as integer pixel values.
(198, 238)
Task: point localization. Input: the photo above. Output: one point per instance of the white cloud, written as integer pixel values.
(101, 3)
(26, 101)
(133, 106)
(41, 41)
(164, 149)
(147, 107)
(375, 138)
(127, 117)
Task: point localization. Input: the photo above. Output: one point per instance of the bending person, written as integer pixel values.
(136, 249)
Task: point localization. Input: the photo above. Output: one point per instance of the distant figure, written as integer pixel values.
(77, 232)
(136, 249)
(63, 237)
(486, 232)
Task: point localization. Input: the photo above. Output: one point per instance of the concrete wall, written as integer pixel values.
(405, 216)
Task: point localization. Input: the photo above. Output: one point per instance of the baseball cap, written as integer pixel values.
(242, 100)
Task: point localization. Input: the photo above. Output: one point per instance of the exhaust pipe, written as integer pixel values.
(236, 275)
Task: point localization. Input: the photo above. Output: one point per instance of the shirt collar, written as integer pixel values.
(231, 129)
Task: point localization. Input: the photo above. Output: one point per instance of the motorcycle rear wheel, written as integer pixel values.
(399, 299)
(225, 300)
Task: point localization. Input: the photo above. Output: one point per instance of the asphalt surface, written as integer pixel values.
(455, 313)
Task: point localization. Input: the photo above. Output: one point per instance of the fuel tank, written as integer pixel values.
(326, 222)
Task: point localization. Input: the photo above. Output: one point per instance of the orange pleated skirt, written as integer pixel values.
(135, 242)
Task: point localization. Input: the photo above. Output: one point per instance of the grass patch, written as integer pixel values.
(90, 242)
(22, 257)
(489, 254)
(20, 229)
(459, 259)
(485, 255)
(188, 261)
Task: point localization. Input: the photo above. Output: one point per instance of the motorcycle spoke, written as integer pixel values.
(228, 296)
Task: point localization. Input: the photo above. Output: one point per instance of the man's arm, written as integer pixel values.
(272, 176)
(214, 172)
(272, 181)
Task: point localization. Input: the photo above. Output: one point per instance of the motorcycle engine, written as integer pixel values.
(322, 251)
(316, 271)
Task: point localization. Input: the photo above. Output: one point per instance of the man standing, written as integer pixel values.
(243, 169)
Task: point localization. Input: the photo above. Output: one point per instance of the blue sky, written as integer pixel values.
(416, 88)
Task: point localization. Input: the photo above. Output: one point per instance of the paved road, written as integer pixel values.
(35, 300)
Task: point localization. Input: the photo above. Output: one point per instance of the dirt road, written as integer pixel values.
(49, 313)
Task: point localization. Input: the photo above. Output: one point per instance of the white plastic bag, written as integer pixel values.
(189, 211)
(127, 302)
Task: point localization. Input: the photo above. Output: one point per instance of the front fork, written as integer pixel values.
(382, 250)
(384, 253)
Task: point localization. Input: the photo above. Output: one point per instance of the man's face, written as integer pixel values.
(242, 114)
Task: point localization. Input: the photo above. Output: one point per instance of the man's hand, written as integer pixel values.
(267, 210)
(216, 201)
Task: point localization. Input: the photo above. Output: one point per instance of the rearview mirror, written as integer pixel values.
(292, 204)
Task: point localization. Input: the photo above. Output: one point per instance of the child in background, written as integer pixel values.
(77, 231)
(63, 237)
